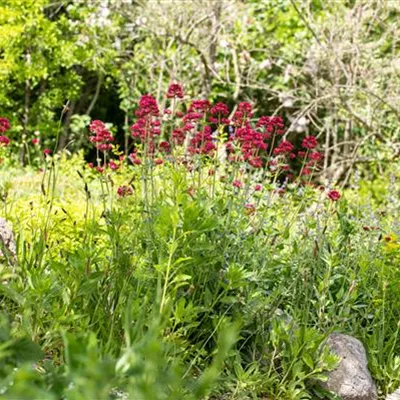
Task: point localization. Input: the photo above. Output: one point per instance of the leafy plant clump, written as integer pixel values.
(206, 264)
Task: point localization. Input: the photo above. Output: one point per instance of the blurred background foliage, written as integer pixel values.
(330, 68)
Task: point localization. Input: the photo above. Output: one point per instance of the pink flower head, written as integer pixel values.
(284, 147)
(4, 125)
(178, 136)
(101, 137)
(158, 161)
(4, 141)
(135, 160)
(257, 187)
(47, 152)
(35, 141)
(309, 142)
(334, 195)
(220, 109)
(246, 108)
(236, 183)
(175, 90)
(113, 165)
(96, 126)
(164, 147)
(200, 106)
(256, 162)
(124, 190)
(147, 106)
(192, 116)
(316, 156)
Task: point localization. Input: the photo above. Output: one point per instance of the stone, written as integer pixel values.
(351, 380)
(7, 239)
(394, 396)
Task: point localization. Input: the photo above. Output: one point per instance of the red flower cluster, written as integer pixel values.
(135, 159)
(284, 147)
(114, 165)
(124, 191)
(272, 125)
(309, 142)
(175, 91)
(101, 136)
(147, 127)
(220, 111)
(201, 128)
(202, 142)
(200, 106)
(147, 107)
(334, 195)
(4, 127)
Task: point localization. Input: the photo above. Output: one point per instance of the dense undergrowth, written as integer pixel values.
(163, 280)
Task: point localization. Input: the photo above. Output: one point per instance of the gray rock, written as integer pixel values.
(7, 241)
(394, 396)
(351, 380)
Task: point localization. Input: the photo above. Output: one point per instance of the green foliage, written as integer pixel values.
(188, 295)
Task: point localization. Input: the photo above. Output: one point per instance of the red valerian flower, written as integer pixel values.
(4, 125)
(35, 141)
(301, 154)
(256, 162)
(164, 147)
(47, 152)
(201, 106)
(96, 126)
(101, 136)
(178, 136)
(237, 183)
(124, 190)
(202, 142)
(245, 107)
(220, 109)
(147, 107)
(133, 157)
(214, 120)
(113, 165)
(309, 142)
(334, 195)
(257, 187)
(188, 126)
(175, 90)
(284, 147)
(316, 156)
(4, 141)
(192, 116)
